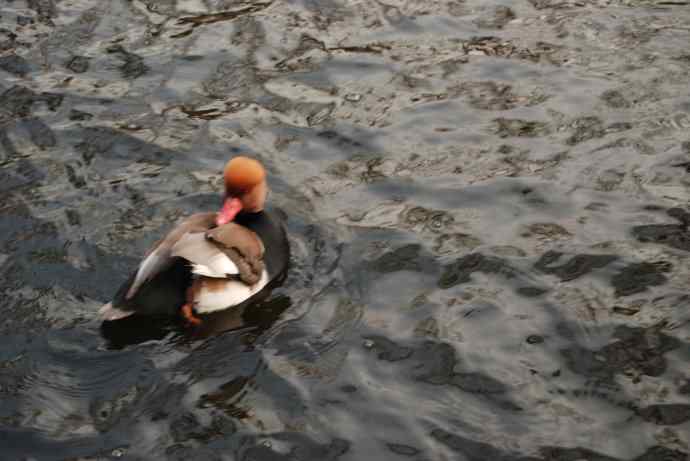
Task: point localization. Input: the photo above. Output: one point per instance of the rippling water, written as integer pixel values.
(486, 203)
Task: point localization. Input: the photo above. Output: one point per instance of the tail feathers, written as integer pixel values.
(110, 313)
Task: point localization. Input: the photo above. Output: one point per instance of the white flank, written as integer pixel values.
(235, 292)
(206, 271)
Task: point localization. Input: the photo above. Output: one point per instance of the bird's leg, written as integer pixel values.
(188, 307)
(189, 316)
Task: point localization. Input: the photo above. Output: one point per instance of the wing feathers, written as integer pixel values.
(157, 261)
(110, 313)
(206, 258)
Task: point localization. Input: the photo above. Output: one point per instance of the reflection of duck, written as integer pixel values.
(211, 261)
(248, 323)
(264, 312)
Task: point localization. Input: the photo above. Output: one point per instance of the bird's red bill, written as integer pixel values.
(231, 207)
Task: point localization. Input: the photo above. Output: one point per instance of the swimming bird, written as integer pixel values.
(210, 261)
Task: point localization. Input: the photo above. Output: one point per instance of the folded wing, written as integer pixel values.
(206, 258)
(160, 257)
(157, 261)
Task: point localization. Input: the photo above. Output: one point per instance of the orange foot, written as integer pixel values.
(188, 314)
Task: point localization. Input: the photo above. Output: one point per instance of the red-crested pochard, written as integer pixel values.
(211, 261)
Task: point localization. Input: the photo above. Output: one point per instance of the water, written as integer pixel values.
(486, 208)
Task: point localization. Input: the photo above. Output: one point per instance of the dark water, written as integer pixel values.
(486, 202)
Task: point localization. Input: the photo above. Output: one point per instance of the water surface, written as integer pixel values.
(486, 204)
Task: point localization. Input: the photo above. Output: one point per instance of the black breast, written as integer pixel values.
(268, 225)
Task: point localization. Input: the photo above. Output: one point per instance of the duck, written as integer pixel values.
(211, 261)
